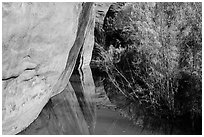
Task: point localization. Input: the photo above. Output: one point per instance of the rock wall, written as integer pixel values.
(41, 43)
(101, 9)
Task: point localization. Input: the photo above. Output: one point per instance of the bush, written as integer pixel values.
(152, 57)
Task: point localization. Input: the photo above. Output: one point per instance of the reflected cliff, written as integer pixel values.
(66, 113)
(71, 112)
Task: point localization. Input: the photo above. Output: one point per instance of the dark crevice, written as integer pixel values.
(9, 78)
(30, 69)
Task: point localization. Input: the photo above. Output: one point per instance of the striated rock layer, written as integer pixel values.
(41, 44)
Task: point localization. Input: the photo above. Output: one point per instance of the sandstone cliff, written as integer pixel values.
(40, 46)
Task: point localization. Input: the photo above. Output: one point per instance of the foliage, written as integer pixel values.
(152, 57)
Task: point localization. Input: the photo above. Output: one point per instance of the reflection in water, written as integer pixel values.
(66, 113)
(73, 112)
(86, 104)
(110, 122)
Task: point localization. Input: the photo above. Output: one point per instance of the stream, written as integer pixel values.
(110, 122)
(64, 115)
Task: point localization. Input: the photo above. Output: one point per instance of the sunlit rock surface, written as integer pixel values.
(41, 43)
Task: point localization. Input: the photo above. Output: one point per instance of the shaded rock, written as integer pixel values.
(100, 13)
(101, 9)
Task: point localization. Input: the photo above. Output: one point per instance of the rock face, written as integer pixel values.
(41, 44)
(101, 9)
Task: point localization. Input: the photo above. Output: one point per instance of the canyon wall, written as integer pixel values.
(40, 46)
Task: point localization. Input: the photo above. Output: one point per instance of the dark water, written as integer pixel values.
(110, 122)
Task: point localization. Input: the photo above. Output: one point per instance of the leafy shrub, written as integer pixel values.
(152, 57)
